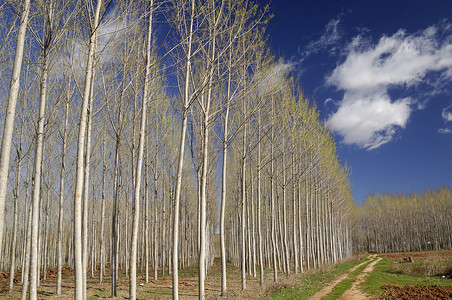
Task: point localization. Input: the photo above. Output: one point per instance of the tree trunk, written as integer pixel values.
(181, 158)
(243, 264)
(285, 244)
(223, 189)
(34, 275)
(272, 193)
(294, 220)
(16, 213)
(11, 112)
(136, 207)
(86, 187)
(114, 223)
(259, 223)
(27, 255)
(61, 196)
(80, 293)
(102, 214)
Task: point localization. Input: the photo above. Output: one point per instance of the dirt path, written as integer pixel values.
(328, 289)
(355, 293)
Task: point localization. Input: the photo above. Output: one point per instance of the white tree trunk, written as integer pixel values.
(203, 208)
(272, 192)
(86, 187)
(79, 282)
(61, 196)
(114, 224)
(294, 220)
(299, 225)
(223, 192)
(27, 256)
(181, 157)
(16, 213)
(259, 224)
(243, 254)
(284, 186)
(34, 272)
(102, 213)
(136, 207)
(11, 112)
(205, 158)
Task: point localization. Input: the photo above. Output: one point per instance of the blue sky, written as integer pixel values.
(381, 75)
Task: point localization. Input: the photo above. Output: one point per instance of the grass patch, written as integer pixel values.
(339, 289)
(390, 271)
(312, 282)
(159, 291)
(429, 267)
(100, 293)
(188, 272)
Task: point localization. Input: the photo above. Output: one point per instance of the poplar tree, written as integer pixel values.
(80, 293)
(136, 207)
(11, 112)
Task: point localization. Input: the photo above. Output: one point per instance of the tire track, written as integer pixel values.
(355, 293)
(328, 289)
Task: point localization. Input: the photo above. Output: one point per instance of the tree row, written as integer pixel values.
(134, 131)
(415, 222)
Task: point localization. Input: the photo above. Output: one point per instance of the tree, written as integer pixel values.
(180, 18)
(11, 111)
(79, 282)
(45, 45)
(136, 207)
(61, 196)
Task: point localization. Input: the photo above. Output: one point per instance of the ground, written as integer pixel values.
(383, 276)
(416, 292)
(155, 289)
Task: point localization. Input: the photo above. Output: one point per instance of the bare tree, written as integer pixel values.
(136, 207)
(186, 106)
(80, 293)
(10, 112)
(61, 196)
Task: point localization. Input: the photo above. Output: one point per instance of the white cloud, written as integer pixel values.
(367, 116)
(445, 130)
(369, 120)
(328, 100)
(110, 34)
(330, 36)
(328, 40)
(447, 114)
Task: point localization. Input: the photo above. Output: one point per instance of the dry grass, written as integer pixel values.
(425, 267)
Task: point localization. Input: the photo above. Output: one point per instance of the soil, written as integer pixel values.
(51, 273)
(188, 284)
(155, 289)
(418, 255)
(420, 292)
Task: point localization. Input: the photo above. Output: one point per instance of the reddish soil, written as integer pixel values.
(51, 273)
(420, 292)
(4, 277)
(414, 255)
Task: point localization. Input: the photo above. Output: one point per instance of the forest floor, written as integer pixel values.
(386, 276)
(157, 289)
